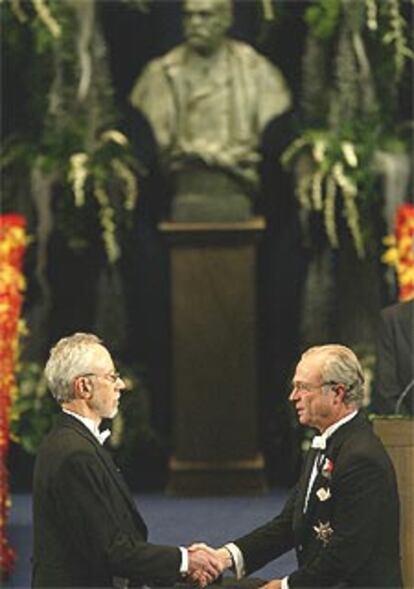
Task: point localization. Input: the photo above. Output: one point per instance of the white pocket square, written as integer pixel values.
(323, 494)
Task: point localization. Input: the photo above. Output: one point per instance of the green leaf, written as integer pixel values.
(323, 17)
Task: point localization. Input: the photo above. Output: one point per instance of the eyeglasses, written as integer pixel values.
(112, 376)
(300, 387)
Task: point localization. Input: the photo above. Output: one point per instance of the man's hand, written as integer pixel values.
(217, 560)
(204, 565)
(275, 584)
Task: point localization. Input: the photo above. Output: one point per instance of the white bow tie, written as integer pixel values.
(103, 436)
(319, 442)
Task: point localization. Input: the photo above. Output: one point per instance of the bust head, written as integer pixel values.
(206, 23)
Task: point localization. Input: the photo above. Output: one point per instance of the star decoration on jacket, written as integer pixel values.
(323, 532)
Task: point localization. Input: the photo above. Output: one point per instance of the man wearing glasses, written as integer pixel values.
(342, 517)
(87, 529)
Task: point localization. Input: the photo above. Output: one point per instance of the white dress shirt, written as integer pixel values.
(91, 424)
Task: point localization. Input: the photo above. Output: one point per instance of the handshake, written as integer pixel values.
(206, 564)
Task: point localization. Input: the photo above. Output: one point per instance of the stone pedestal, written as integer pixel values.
(213, 314)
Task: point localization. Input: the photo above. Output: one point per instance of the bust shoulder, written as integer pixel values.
(174, 57)
(246, 52)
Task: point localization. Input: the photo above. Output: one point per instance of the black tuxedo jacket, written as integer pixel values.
(87, 529)
(349, 534)
(395, 358)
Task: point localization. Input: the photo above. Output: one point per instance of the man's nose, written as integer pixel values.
(120, 385)
(293, 396)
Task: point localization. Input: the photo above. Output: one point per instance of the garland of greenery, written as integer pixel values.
(73, 148)
(348, 113)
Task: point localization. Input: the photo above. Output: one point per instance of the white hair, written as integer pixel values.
(339, 365)
(69, 358)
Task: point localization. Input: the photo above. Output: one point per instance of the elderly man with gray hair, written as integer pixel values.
(342, 516)
(87, 529)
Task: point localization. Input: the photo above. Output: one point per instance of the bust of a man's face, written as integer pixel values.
(206, 23)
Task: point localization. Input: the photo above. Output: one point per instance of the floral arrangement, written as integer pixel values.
(354, 71)
(327, 175)
(71, 144)
(400, 252)
(13, 241)
(86, 176)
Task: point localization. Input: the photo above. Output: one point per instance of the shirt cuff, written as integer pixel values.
(285, 584)
(184, 561)
(238, 559)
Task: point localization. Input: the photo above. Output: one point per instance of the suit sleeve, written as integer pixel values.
(270, 540)
(99, 529)
(361, 498)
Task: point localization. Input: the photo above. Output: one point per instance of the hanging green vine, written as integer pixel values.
(88, 174)
(73, 145)
(351, 48)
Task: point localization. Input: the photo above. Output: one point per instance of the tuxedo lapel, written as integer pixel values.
(303, 487)
(336, 440)
(65, 420)
(118, 478)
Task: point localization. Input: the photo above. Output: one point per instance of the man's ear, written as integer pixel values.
(83, 387)
(339, 390)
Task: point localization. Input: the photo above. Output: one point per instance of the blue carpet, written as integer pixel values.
(171, 520)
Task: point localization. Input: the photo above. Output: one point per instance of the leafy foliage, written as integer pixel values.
(33, 408)
(70, 112)
(323, 17)
(355, 71)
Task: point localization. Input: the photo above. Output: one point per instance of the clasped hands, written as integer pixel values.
(206, 563)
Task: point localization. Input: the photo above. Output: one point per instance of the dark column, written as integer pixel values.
(215, 397)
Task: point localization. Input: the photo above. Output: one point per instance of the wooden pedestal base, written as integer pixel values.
(230, 477)
(397, 435)
(213, 314)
